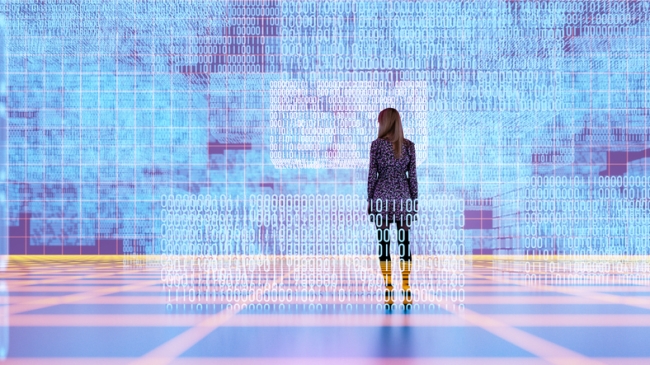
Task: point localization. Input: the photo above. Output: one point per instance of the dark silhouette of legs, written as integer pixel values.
(403, 234)
(384, 260)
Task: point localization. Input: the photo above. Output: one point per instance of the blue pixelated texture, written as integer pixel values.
(112, 104)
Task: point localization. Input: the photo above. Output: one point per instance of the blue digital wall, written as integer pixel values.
(130, 122)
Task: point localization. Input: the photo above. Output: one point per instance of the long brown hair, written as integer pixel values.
(390, 129)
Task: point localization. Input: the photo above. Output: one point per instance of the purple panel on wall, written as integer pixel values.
(478, 219)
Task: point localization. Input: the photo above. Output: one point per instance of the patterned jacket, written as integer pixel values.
(387, 179)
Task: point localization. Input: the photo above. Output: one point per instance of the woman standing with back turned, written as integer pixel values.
(392, 194)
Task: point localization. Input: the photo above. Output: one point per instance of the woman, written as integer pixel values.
(392, 194)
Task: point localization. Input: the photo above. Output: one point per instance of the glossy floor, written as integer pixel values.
(480, 310)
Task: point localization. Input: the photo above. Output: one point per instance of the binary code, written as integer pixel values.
(527, 113)
(213, 246)
(325, 124)
(584, 271)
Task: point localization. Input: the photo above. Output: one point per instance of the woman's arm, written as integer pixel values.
(413, 175)
(372, 172)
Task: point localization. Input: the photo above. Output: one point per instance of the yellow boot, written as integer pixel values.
(386, 273)
(405, 266)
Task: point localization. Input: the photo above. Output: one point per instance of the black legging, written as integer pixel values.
(383, 237)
